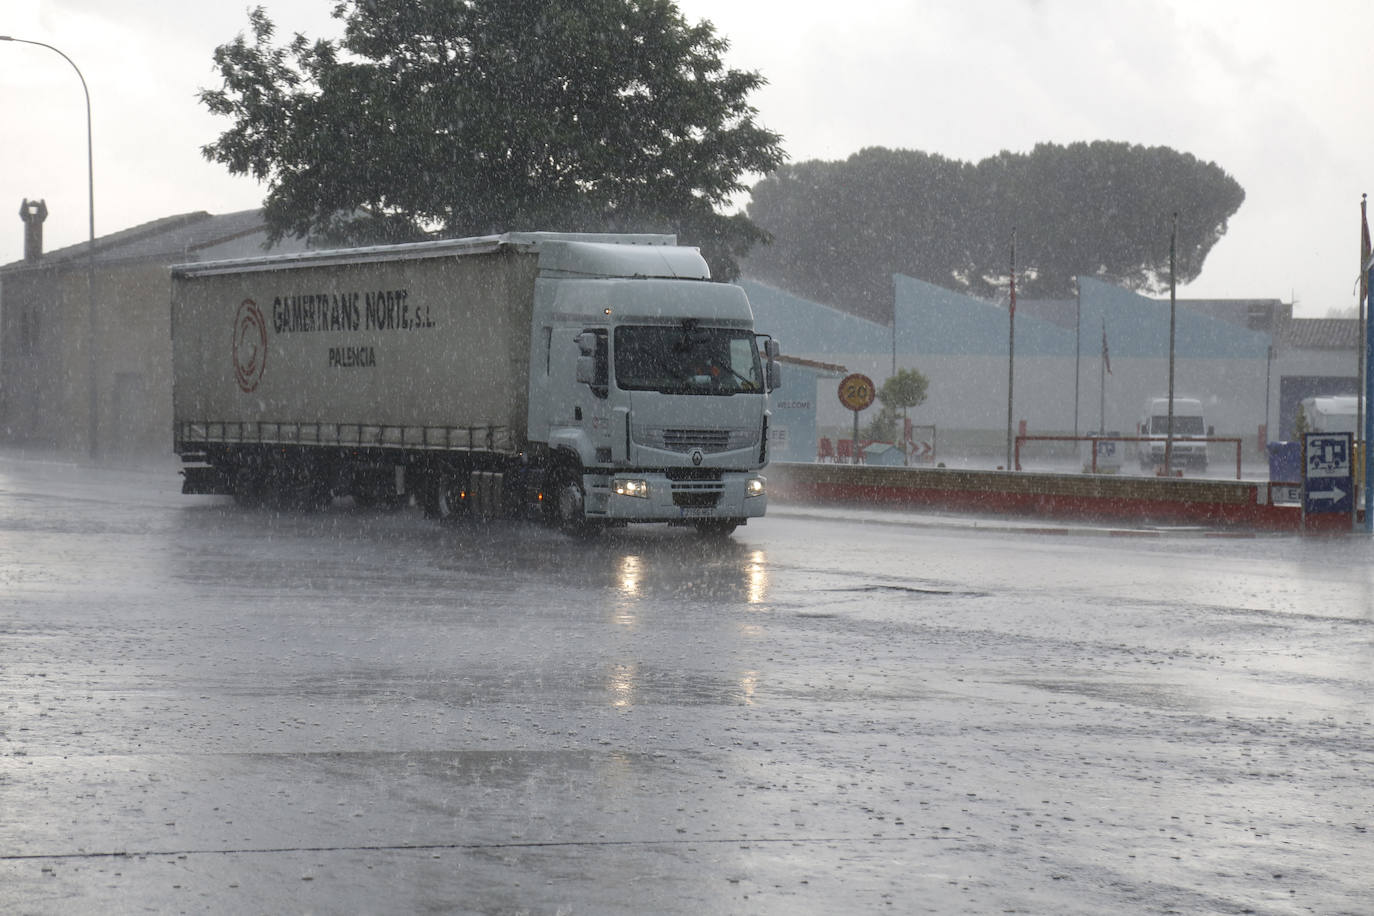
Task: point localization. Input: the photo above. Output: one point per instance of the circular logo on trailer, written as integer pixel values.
(697, 457)
(250, 346)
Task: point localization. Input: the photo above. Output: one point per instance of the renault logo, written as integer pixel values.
(697, 457)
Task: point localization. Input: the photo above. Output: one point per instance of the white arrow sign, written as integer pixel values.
(1334, 494)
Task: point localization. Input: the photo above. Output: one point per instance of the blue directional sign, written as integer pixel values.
(1328, 480)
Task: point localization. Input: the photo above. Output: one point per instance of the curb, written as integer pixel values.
(898, 519)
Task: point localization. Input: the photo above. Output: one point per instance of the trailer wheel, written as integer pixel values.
(248, 485)
(444, 501)
(320, 495)
(297, 484)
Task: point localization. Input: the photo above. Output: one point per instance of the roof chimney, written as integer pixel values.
(33, 215)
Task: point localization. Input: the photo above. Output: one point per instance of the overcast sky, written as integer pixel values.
(1279, 94)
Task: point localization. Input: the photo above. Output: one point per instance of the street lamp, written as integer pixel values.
(90, 247)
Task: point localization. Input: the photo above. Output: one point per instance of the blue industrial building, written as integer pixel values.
(1246, 360)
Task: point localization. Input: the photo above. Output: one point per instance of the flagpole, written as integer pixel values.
(1102, 384)
(1362, 366)
(1011, 346)
(1369, 415)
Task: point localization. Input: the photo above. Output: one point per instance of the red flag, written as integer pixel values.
(1106, 360)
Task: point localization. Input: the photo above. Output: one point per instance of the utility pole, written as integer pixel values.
(1173, 312)
(1011, 347)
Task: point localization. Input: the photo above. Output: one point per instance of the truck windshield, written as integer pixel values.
(686, 359)
(1183, 426)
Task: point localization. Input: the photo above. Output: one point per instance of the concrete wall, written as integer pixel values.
(44, 368)
(134, 355)
(53, 343)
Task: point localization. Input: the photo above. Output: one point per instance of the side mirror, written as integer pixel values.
(586, 366)
(772, 348)
(1211, 431)
(586, 343)
(772, 375)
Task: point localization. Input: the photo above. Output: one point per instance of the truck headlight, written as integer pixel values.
(636, 488)
(754, 487)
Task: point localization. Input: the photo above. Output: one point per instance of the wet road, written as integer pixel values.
(208, 709)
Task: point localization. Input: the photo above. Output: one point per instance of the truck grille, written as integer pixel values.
(708, 440)
(697, 494)
(684, 440)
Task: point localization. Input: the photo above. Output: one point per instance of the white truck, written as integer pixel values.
(591, 380)
(1190, 433)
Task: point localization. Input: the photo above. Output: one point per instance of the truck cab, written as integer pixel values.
(649, 387)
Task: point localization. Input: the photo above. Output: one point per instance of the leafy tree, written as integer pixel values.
(898, 394)
(1101, 209)
(904, 390)
(461, 117)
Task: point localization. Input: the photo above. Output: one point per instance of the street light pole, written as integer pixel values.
(93, 389)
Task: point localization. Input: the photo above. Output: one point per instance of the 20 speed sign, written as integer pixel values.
(857, 391)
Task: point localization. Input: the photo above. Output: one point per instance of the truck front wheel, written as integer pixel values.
(569, 513)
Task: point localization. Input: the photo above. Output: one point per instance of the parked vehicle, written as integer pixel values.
(592, 380)
(1190, 432)
(1335, 414)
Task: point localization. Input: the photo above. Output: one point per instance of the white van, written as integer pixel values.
(1189, 432)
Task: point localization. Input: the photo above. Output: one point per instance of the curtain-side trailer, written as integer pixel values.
(592, 380)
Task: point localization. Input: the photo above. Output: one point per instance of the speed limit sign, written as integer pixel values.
(857, 391)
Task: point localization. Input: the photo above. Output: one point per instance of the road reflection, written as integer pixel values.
(669, 618)
(658, 582)
(623, 683)
(738, 575)
(757, 577)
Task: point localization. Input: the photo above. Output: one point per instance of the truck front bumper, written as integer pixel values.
(635, 496)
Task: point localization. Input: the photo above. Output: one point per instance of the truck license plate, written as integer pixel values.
(698, 513)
